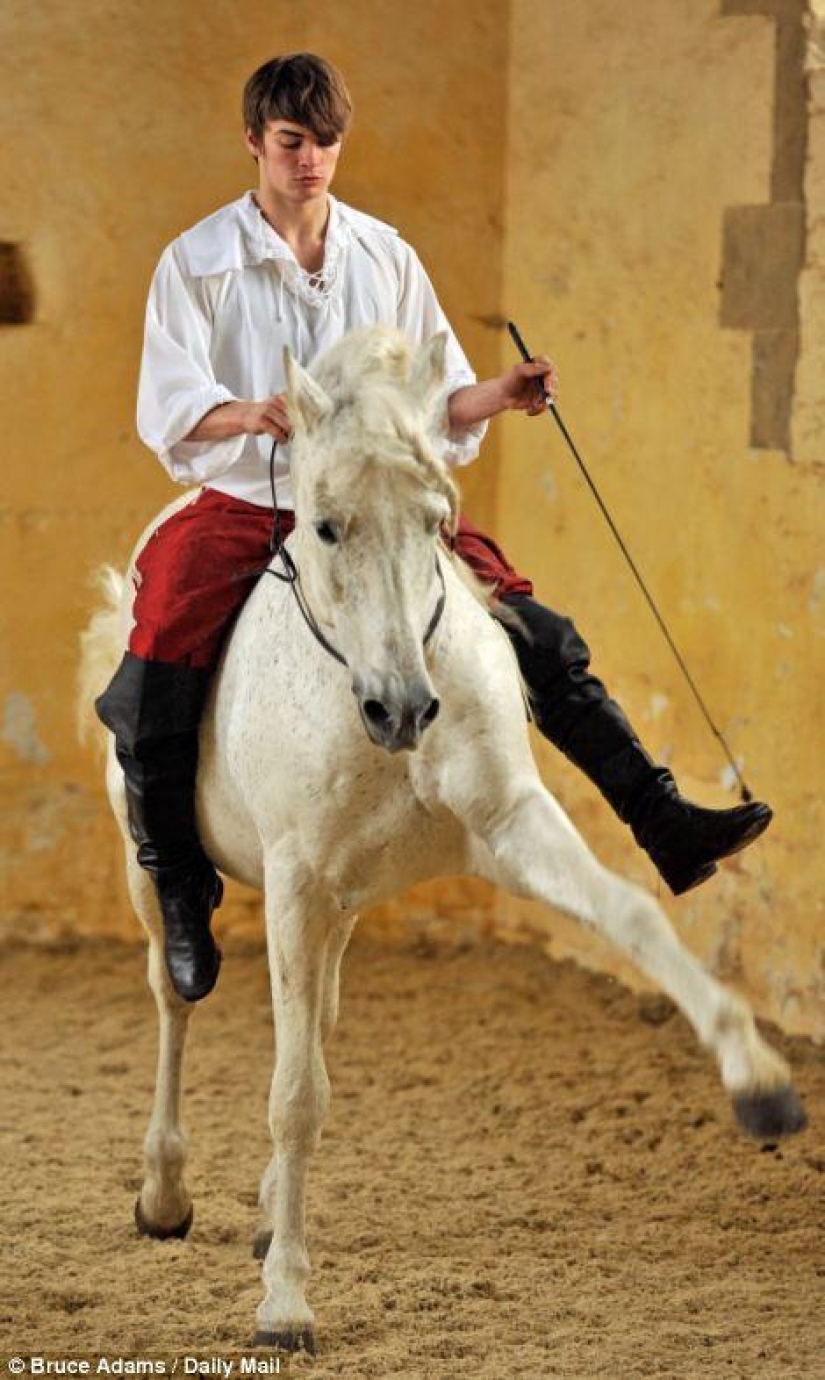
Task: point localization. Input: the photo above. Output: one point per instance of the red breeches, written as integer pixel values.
(198, 568)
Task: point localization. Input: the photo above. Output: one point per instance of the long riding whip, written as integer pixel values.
(554, 411)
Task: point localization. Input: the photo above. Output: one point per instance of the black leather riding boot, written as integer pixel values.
(571, 707)
(154, 710)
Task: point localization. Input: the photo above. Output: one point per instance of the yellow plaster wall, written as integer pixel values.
(613, 137)
(121, 126)
(809, 408)
(627, 141)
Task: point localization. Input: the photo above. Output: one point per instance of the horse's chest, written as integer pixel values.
(368, 841)
(360, 813)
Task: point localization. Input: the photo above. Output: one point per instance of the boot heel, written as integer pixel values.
(684, 879)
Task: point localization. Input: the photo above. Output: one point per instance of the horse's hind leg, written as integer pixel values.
(164, 1207)
(532, 848)
(337, 941)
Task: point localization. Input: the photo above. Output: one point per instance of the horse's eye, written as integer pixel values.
(326, 533)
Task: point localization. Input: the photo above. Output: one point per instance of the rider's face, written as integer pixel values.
(292, 163)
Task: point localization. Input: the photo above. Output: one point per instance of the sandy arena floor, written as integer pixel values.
(526, 1173)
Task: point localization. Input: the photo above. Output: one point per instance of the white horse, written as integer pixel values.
(303, 792)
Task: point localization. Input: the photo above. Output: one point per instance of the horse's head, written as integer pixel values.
(370, 500)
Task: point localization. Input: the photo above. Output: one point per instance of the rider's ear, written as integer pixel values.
(307, 403)
(429, 369)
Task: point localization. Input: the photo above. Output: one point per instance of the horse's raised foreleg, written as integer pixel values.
(300, 928)
(335, 944)
(530, 847)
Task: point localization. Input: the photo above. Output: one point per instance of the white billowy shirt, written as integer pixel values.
(227, 296)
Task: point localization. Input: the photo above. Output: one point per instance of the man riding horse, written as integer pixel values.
(288, 264)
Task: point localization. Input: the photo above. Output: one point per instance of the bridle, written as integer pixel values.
(291, 576)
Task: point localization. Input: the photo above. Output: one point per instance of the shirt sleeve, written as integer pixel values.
(177, 384)
(419, 317)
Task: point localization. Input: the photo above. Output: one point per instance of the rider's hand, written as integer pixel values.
(520, 385)
(269, 418)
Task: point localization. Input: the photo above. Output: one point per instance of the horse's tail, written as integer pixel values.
(100, 651)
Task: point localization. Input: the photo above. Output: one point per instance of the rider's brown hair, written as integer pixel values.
(302, 88)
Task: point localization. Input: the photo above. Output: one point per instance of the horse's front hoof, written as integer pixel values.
(147, 1228)
(769, 1116)
(261, 1242)
(289, 1339)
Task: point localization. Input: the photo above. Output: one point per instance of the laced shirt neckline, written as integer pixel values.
(318, 288)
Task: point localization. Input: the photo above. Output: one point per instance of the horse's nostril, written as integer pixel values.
(430, 713)
(375, 712)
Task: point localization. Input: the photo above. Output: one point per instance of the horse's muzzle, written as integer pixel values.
(398, 725)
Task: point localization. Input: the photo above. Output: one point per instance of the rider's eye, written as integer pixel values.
(326, 532)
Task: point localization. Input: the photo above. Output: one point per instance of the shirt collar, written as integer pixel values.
(239, 236)
(264, 240)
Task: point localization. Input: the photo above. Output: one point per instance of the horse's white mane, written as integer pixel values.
(370, 352)
(367, 374)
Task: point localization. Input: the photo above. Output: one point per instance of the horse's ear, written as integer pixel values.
(429, 368)
(307, 403)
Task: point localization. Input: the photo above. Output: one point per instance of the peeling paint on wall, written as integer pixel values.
(20, 729)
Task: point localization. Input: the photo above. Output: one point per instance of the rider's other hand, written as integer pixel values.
(270, 418)
(521, 385)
